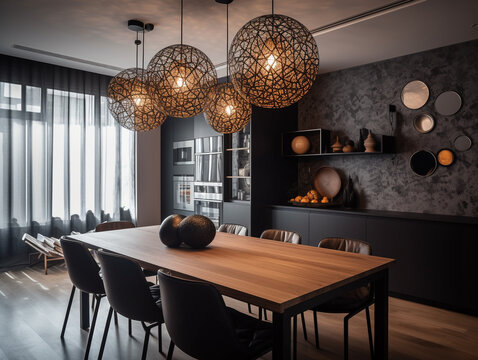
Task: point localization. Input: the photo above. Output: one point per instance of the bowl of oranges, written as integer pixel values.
(311, 199)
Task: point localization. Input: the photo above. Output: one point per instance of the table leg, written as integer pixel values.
(84, 310)
(381, 316)
(281, 336)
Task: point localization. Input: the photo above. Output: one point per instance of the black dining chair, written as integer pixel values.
(282, 235)
(130, 295)
(351, 302)
(233, 229)
(120, 225)
(201, 325)
(84, 274)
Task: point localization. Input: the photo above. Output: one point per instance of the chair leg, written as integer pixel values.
(294, 337)
(249, 308)
(265, 314)
(304, 328)
(92, 301)
(260, 313)
(145, 345)
(346, 338)
(116, 318)
(105, 333)
(170, 350)
(316, 328)
(160, 339)
(92, 328)
(370, 338)
(67, 315)
(130, 328)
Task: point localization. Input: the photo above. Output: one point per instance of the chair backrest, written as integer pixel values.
(348, 245)
(82, 268)
(233, 229)
(282, 235)
(114, 225)
(354, 246)
(126, 288)
(197, 319)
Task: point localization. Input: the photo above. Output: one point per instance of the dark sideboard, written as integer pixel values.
(436, 254)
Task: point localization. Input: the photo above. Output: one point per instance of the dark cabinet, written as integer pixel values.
(290, 220)
(424, 253)
(237, 213)
(435, 255)
(331, 225)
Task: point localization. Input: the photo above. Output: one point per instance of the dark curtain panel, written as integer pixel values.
(66, 165)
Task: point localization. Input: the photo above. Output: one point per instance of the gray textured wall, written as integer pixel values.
(347, 100)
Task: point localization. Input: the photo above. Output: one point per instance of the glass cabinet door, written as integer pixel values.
(238, 165)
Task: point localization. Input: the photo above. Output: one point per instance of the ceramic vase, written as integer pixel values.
(349, 147)
(337, 146)
(369, 143)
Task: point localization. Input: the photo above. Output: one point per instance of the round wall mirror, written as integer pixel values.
(423, 163)
(446, 157)
(424, 123)
(448, 103)
(415, 94)
(462, 143)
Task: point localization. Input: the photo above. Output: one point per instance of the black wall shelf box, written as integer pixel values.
(320, 140)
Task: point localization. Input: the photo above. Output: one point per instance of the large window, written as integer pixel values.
(66, 163)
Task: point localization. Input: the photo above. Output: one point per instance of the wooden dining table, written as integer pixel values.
(284, 278)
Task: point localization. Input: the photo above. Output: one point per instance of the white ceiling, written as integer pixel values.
(95, 30)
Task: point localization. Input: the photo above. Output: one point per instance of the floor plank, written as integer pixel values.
(32, 307)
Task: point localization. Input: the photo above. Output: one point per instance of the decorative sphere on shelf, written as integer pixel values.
(300, 145)
(168, 231)
(197, 231)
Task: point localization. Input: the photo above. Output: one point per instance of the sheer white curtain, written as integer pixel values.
(65, 162)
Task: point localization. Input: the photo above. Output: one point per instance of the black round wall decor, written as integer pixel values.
(423, 163)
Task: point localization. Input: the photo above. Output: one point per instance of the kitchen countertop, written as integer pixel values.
(382, 213)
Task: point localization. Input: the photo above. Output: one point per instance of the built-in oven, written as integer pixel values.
(208, 177)
(208, 200)
(183, 192)
(183, 152)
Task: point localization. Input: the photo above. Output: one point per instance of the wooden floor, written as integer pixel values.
(32, 307)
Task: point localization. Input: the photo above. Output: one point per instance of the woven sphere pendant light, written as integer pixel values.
(130, 101)
(182, 76)
(226, 111)
(273, 60)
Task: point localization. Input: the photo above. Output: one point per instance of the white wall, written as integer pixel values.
(148, 178)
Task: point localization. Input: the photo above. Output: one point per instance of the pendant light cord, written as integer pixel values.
(272, 7)
(227, 43)
(142, 60)
(181, 22)
(136, 43)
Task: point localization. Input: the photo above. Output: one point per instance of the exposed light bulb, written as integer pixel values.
(180, 82)
(138, 100)
(229, 109)
(271, 62)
